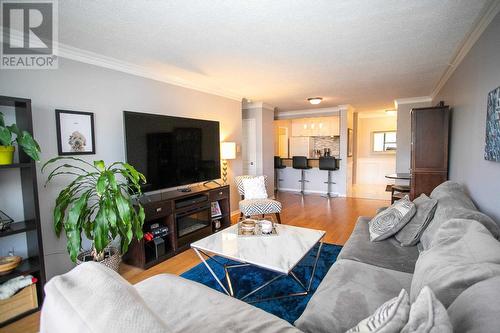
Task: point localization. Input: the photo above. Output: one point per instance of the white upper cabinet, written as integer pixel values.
(335, 126)
(321, 126)
(297, 129)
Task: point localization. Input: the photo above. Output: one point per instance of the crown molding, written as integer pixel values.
(257, 105)
(412, 100)
(92, 58)
(309, 112)
(76, 54)
(347, 107)
(489, 14)
(375, 114)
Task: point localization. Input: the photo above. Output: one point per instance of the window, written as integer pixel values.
(384, 142)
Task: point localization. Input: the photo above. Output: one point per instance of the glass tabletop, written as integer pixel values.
(399, 175)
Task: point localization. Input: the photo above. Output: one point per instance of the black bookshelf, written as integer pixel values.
(31, 226)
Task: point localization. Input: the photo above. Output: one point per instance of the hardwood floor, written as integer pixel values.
(336, 216)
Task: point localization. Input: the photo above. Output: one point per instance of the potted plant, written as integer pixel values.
(97, 204)
(23, 138)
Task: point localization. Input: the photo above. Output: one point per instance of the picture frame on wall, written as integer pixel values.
(75, 132)
(349, 142)
(492, 144)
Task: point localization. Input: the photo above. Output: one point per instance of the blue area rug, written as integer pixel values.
(247, 279)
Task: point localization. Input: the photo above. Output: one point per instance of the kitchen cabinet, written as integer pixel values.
(299, 127)
(301, 146)
(321, 126)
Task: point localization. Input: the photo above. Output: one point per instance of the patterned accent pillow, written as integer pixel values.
(390, 317)
(254, 188)
(428, 315)
(390, 221)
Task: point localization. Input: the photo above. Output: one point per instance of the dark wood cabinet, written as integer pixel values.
(186, 215)
(429, 148)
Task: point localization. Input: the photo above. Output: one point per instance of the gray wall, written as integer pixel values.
(268, 147)
(404, 135)
(82, 87)
(466, 92)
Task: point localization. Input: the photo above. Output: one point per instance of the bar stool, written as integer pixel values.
(300, 163)
(329, 164)
(278, 164)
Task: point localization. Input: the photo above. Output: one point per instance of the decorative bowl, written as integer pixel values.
(247, 226)
(266, 226)
(9, 263)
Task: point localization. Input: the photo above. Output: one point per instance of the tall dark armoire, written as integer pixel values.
(429, 148)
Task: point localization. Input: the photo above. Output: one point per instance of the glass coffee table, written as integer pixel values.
(277, 253)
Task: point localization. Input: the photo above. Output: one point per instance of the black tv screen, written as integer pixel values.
(172, 151)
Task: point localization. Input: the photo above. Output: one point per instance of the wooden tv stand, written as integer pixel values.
(187, 215)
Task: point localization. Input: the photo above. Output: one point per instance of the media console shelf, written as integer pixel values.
(176, 219)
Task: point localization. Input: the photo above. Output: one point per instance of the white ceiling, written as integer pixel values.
(363, 53)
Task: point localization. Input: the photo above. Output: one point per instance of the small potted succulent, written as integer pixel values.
(97, 204)
(23, 139)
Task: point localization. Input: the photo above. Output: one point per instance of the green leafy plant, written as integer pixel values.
(23, 138)
(97, 203)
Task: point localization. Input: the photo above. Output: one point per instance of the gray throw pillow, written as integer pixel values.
(462, 253)
(390, 317)
(410, 234)
(454, 203)
(427, 315)
(391, 220)
(476, 309)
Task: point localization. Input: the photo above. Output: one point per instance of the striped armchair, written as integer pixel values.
(251, 207)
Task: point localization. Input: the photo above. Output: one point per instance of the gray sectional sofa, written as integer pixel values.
(458, 258)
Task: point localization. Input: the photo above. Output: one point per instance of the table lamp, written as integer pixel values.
(227, 152)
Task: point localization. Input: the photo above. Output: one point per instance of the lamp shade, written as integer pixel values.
(228, 150)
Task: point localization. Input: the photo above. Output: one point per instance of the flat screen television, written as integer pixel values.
(172, 151)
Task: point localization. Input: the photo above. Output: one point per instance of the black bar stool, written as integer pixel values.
(300, 162)
(278, 164)
(329, 164)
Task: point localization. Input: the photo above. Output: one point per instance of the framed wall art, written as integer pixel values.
(75, 132)
(492, 146)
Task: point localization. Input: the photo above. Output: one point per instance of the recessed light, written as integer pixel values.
(315, 100)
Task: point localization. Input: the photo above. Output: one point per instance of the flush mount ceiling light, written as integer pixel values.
(391, 112)
(315, 100)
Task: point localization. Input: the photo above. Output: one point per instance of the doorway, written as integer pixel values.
(283, 141)
(375, 154)
(249, 147)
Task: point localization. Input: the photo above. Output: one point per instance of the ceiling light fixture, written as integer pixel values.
(391, 112)
(315, 100)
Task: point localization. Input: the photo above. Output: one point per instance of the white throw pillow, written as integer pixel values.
(390, 317)
(255, 188)
(428, 315)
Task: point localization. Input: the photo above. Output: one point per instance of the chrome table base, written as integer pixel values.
(229, 290)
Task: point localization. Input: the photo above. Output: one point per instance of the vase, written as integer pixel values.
(6, 155)
(112, 261)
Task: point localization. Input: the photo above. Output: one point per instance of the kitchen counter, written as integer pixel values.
(312, 158)
(312, 162)
(315, 178)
